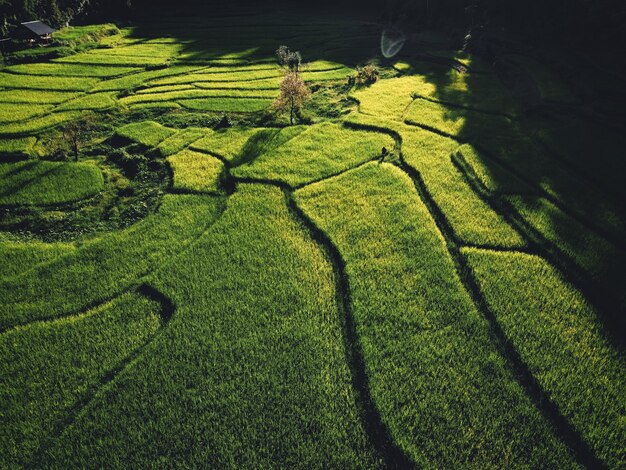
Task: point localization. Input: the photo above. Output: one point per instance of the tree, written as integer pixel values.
(289, 59)
(293, 95)
(75, 132)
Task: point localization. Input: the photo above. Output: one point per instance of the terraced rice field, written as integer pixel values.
(296, 296)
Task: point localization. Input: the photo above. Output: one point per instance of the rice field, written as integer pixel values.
(418, 273)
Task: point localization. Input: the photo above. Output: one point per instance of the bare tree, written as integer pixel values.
(293, 95)
(75, 132)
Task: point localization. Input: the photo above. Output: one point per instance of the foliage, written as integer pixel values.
(289, 59)
(294, 94)
(40, 182)
(367, 74)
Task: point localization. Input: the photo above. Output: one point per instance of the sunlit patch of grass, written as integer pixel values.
(320, 151)
(560, 338)
(47, 368)
(21, 147)
(35, 183)
(434, 371)
(234, 105)
(71, 70)
(18, 257)
(147, 133)
(9, 80)
(107, 265)
(13, 112)
(35, 96)
(255, 345)
(181, 140)
(137, 79)
(194, 171)
(227, 143)
(39, 124)
(93, 101)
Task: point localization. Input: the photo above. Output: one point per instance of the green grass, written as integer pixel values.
(17, 147)
(35, 96)
(39, 124)
(231, 105)
(146, 133)
(561, 339)
(99, 58)
(69, 70)
(135, 80)
(20, 257)
(196, 95)
(471, 219)
(105, 266)
(93, 101)
(9, 80)
(601, 260)
(49, 368)
(250, 371)
(194, 171)
(227, 143)
(320, 151)
(20, 112)
(435, 375)
(39, 182)
(181, 140)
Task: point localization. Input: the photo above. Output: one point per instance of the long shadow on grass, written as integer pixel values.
(166, 311)
(376, 429)
(563, 429)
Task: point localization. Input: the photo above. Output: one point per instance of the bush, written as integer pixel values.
(367, 75)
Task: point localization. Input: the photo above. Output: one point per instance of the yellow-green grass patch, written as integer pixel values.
(10, 80)
(147, 133)
(41, 182)
(434, 371)
(195, 171)
(561, 340)
(320, 151)
(48, 368)
(105, 266)
(18, 257)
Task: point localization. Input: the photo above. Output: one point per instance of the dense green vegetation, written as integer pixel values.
(425, 270)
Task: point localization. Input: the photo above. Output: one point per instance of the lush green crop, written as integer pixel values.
(434, 371)
(17, 147)
(20, 112)
(320, 151)
(37, 182)
(194, 171)
(234, 105)
(251, 370)
(20, 257)
(93, 101)
(39, 124)
(105, 266)
(71, 70)
(147, 133)
(135, 80)
(181, 140)
(226, 143)
(99, 58)
(10, 80)
(562, 340)
(35, 96)
(48, 368)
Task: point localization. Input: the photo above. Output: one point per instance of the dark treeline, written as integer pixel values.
(592, 23)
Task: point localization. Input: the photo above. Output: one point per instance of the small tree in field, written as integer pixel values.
(291, 60)
(293, 95)
(76, 132)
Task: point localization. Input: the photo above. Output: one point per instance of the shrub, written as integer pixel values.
(367, 74)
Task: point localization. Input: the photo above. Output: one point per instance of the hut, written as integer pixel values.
(35, 31)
